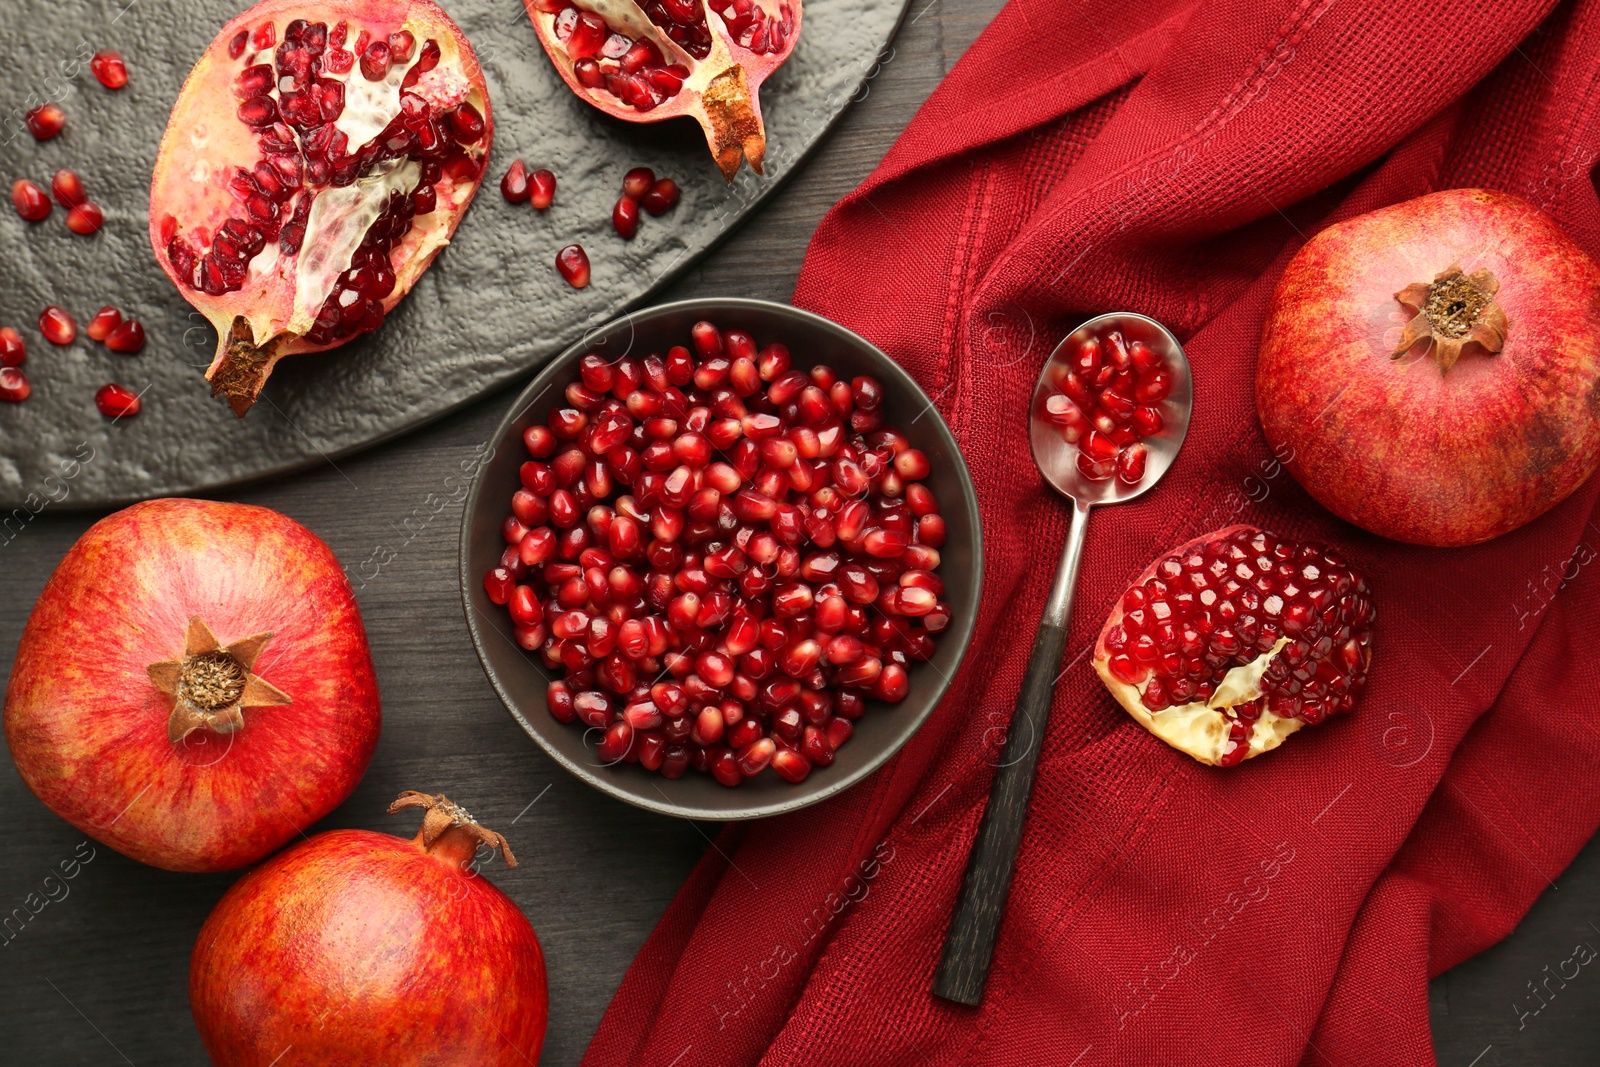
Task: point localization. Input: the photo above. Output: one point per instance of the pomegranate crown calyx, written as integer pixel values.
(444, 820)
(211, 684)
(1454, 310)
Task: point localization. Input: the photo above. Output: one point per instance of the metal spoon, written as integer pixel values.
(969, 944)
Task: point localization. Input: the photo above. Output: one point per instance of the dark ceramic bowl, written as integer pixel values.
(520, 677)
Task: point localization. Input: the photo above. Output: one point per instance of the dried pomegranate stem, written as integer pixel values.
(448, 830)
(1451, 312)
(211, 685)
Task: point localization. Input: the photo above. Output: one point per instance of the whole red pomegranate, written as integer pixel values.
(193, 687)
(660, 59)
(317, 159)
(1431, 371)
(1228, 644)
(357, 948)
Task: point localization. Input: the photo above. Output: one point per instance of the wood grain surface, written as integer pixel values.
(100, 976)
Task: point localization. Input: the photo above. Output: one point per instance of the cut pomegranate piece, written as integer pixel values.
(115, 401)
(1235, 640)
(45, 121)
(514, 184)
(105, 320)
(721, 560)
(573, 263)
(110, 68)
(68, 189)
(644, 62)
(127, 338)
(58, 327)
(541, 189)
(29, 200)
(625, 217)
(662, 197)
(321, 192)
(14, 385)
(12, 349)
(86, 218)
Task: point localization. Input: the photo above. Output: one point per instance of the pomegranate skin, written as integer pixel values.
(88, 726)
(359, 948)
(1398, 447)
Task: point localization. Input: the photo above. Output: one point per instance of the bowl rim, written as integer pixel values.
(897, 378)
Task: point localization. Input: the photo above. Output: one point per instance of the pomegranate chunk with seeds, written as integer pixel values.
(706, 607)
(340, 154)
(1232, 642)
(1110, 394)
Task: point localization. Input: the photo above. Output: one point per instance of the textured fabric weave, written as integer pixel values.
(1168, 157)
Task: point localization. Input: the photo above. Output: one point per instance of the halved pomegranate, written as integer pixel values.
(1230, 643)
(659, 59)
(316, 161)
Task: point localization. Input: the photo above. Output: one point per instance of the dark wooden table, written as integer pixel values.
(100, 977)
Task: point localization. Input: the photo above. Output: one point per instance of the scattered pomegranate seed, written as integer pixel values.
(625, 217)
(721, 581)
(109, 67)
(14, 385)
(68, 189)
(105, 320)
(541, 189)
(12, 349)
(638, 181)
(45, 121)
(30, 200)
(127, 338)
(661, 198)
(573, 263)
(58, 327)
(514, 186)
(85, 219)
(115, 401)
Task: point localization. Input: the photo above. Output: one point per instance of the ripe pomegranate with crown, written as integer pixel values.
(317, 159)
(1431, 371)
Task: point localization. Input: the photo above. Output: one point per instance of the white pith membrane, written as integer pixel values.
(1200, 728)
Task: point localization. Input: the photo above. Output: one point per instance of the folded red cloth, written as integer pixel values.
(1167, 156)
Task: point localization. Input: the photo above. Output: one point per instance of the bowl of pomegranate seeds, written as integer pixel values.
(723, 559)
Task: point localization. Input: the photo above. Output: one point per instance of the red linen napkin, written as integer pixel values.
(1167, 157)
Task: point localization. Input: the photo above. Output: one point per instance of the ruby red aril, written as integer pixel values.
(573, 264)
(625, 217)
(116, 401)
(68, 188)
(13, 350)
(514, 183)
(45, 121)
(637, 182)
(85, 219)
(127, 338)
(661, 197)
(720, 581)
(14, 385)
(57, 325)
(1109, 397)
(541, 189)
(109, 68)
(1236, 639)
(105, 320)
(29, 200)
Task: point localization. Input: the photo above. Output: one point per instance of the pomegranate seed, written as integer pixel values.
(127, 338)
(1130, 464)
(105, 320)
(45, 121)
(68, 189)
(114, 401)
(625, 217)
(375, 61)
(514, 186)
(573, 263)
(637, 182)
(401, 42)
(30, 200)
(12, 349)
(110, 69)
(14, 385)
(662, 197)
(541, 189)
(57, 326)
(237, 44)
(85, 219)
